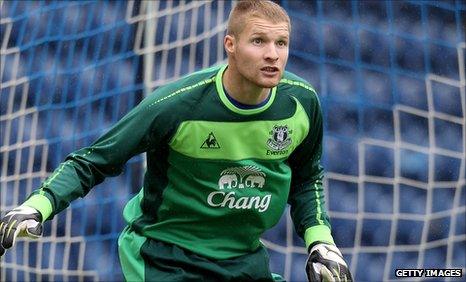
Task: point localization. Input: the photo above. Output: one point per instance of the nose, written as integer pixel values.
(271, 53)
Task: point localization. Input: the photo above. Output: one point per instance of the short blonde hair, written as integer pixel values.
(263, 9)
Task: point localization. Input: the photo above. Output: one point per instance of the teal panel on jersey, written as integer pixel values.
(133, 209)
(132, 263)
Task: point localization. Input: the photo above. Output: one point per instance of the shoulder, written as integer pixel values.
(183, 88)
(299, 88)
(292, 82)
(174, 102)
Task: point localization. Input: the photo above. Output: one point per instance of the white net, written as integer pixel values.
(390, 75)
(172, 45)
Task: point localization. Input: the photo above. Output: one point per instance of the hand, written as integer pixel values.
(326, 263)
(22, 221)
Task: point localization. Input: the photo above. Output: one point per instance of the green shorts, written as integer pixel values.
(144, 259)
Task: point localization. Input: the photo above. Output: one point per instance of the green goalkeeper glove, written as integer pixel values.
(22, 221)
(326, 263)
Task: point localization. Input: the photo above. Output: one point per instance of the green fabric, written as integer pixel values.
(168, 262)
(217, 178)
(133, 209)
(201, 214)
(131, 261)
(237, 135)
(318, 233)
(40, 203)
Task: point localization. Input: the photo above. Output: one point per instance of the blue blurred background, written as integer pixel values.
(390, 76)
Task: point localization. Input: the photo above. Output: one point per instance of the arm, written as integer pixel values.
(325, 261)
(80, 171)
(306, 194)
(89, 166)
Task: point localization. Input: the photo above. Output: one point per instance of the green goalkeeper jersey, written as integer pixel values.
(218, 176)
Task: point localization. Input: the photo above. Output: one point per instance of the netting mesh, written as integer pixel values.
(390, 76)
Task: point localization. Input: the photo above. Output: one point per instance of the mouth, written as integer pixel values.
(270, 70)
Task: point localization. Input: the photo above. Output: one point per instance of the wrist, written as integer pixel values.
(318, 234)
(315, 243)
(41, 203)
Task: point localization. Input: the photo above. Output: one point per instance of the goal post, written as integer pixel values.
(390, 76)
(176, 38)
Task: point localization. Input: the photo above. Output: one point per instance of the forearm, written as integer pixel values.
(309, 214)
(89, 166)
(72, 179)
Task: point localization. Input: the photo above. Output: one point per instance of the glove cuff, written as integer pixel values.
(313, 245)
(41, 204)
(318, 233)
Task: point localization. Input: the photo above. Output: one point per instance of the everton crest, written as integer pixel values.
(280, 138)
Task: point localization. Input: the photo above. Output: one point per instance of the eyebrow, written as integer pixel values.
(266, 34)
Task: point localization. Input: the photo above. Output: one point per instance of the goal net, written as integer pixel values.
(390, 77)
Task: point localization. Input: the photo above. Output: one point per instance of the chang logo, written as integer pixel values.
(246, 177)
(241, 177)
(280, 140)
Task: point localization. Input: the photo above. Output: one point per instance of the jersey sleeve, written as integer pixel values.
(306, 196)
(87, 167)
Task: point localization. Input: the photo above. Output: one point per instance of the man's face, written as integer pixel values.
(260, 52)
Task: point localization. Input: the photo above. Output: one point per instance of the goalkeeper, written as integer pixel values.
(227, 148)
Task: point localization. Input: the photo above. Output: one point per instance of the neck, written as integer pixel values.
(243, 90)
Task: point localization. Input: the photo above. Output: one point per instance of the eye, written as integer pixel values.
(257, 41)
(282, 43)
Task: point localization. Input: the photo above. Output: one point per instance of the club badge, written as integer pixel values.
(280, 138)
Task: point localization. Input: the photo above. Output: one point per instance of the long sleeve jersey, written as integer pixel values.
(217, 176)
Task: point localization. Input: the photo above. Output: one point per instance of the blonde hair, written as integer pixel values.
(263, 9)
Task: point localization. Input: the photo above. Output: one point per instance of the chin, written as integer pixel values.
(269, 84)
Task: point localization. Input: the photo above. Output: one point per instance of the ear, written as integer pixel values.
(229, 43)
